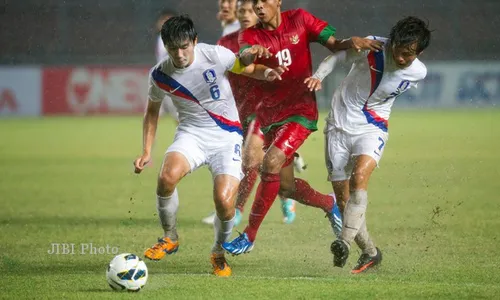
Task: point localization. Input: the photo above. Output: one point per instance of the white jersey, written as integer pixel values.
(231, 27)
(200, 92)
(363, 101)
(161, 52)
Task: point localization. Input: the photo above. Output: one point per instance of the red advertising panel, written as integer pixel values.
(94, 90)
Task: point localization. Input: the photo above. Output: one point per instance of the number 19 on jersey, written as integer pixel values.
(284, 57)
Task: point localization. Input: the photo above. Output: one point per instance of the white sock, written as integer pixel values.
(354, 215)
(364, 241)
(222, 230)
(167, 212)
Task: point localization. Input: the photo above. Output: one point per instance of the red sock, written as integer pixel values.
(266, 194)
(246, 186)
(306, 195)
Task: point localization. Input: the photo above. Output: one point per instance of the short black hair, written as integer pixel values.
(243, 2)
(177, 30)
(166, 12)
(410, 30)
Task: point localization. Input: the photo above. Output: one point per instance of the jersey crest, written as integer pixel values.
(209, 76)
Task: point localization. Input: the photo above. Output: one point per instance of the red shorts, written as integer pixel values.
(253, 128)
(288, 138)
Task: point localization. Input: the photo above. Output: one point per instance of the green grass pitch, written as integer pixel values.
(434, 211)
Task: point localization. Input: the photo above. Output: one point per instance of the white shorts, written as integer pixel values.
(341, 148)
(219, 149)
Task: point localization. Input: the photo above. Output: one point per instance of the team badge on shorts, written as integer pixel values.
(209, 76)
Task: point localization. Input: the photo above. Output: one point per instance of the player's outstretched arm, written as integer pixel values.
(150, 123)
(259, 72)
(325, 68)
(357, 43)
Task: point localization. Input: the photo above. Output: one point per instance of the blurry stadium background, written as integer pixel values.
(68, 180)
(92, 56)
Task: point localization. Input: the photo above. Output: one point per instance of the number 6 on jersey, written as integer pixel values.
(284, 57)
(214, 92)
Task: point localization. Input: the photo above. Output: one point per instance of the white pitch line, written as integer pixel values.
(333, 279)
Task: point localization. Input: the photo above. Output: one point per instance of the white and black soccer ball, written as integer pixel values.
(127, 272)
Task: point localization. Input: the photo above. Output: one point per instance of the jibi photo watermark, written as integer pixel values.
(81, 249)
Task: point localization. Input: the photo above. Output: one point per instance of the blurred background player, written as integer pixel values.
(167, 104)
(357, 126)
(227, 16)
(247, 104)
(288, 112)
(194, 76)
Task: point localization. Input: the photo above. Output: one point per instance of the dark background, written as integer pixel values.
(57, 32)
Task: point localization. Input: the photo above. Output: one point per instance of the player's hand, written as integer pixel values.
(141, 162)
(275, 74)
(359, 44)
(313, 84)
(259, 51)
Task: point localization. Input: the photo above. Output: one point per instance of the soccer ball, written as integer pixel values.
(127, 272)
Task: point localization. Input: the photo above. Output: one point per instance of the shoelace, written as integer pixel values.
(220, 261)
(158, 246)
(240, 240)
(363, 259)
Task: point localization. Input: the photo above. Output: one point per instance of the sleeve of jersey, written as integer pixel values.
(421, 76)
(318, 30)
(155, 93)
(227, 58)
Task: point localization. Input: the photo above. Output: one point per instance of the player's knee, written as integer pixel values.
(224, 204)
(167, 181)
(251, 162)
(272, 162)
(359, 180)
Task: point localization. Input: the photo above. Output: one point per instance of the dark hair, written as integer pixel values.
(166, 12)
(410, 30)
(243, 2)
(177, 30)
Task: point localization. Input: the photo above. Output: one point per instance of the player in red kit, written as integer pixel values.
(288, 112)
(247, 106)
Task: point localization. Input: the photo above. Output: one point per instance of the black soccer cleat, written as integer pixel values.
(340, 253)
(366, 262)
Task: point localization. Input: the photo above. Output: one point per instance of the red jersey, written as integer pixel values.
(246, 102)
(288, 100)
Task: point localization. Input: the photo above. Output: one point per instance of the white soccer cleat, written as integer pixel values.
(209, 219)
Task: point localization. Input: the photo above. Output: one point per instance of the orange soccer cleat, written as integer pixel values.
(160, 249)
(220, 265)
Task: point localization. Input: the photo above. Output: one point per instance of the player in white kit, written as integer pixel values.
(209, 130)
(357, 126)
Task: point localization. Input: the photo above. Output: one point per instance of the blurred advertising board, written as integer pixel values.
(20, 91)
(91, 90)
(33, 91)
